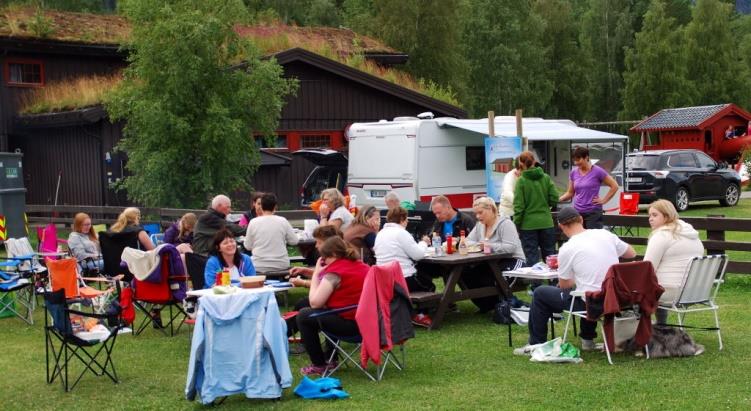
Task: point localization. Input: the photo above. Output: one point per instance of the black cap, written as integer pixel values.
(567, 214)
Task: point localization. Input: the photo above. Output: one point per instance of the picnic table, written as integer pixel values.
(456, 263)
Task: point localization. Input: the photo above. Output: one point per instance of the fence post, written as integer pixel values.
(715, 235)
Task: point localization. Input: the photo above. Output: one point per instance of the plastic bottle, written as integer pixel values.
(437, 244)
(463, 249)
(449, 244)
(353, 204)
(226, 277)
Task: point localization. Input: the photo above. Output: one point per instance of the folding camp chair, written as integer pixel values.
(48, 241)
(151, 298)
(700, 285)
(627, 312)
(16, 297)
(20, 249)
(113, 245)
(63, 274)
(152, 228)
(195, 266)
(68, 338)
(157, 238)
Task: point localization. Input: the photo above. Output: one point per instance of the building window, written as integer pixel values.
(315, 141)
(279, 142)
(24, 73)
(475, 158)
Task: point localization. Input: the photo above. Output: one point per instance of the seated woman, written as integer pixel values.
(362, 233)
(671, 246)
(224, 254)
(499, 233)
(332, 210)
(255, 209)
(129, 221)
(267, 237)
(181, 232)
(84, 244)
(338, 285)
(320, 234)
(394, 243)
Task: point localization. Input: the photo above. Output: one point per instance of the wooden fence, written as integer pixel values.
(716, 226)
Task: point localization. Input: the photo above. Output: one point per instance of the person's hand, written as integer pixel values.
(300, 271)
(426, 239)
(299, 282)
(598, 200)
(324, 211)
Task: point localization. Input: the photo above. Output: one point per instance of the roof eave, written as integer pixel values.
(22, 44)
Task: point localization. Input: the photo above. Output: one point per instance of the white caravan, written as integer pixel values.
(419, 159)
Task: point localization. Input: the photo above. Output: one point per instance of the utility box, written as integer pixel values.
(12, 196)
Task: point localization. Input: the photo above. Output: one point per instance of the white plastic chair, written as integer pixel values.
(20, 249)
(699, 288)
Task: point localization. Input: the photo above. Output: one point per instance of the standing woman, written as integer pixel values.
(534, 196)
(224, 254)
(584, 187)
(671, 246)
(130, 220)
(332, 210)
(362, 233)
(507, 195)
(84, 244)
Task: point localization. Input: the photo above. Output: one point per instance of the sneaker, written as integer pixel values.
(699, 349)
(526, 350)
(590, 345)
(313, 370)
(422, 320)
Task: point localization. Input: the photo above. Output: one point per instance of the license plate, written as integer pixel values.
(378, 193)
(634, 179)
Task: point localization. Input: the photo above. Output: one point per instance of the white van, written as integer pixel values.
(417, 159)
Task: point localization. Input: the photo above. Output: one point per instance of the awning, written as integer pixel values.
(534, 129)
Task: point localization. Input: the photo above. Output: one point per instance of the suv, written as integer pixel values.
(330, 171)
(681, 176)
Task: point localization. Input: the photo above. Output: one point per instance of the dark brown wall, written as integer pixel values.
(284, 181)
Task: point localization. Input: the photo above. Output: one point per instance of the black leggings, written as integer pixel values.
(309, 328)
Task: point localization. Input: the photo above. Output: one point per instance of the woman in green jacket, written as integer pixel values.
(534, 197)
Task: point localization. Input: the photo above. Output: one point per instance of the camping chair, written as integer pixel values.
(113, 245)
(48, 241)
(157, 238)
(20, 249)
(195, 266)
(381, 280)
(150, 298)
(68, 338)
(628, 312)
(700, 285)
(16, 297)
(64, 275)
(152, 228)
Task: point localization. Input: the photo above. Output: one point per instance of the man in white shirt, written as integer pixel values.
(583, 262)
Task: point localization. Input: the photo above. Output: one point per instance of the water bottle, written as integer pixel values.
(437, 244)
(353, 204)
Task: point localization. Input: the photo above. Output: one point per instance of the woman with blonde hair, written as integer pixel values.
(83, 243)
(181, 232)
(130, 220)
(671, 246)
(332, 210)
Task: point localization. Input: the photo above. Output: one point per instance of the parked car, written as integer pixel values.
(681, 176)
(330, 171)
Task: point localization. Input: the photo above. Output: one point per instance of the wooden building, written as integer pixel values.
(78, 145)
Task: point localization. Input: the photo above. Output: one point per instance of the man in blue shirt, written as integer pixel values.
(448, 219)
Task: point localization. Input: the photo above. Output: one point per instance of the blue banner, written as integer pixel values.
(500, 153)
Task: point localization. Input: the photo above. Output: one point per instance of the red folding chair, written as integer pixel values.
(151, 298)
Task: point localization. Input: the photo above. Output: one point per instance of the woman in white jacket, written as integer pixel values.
(671, 246)
(506, 205)
(394, 243)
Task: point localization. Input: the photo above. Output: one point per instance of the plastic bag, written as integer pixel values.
(556, 351)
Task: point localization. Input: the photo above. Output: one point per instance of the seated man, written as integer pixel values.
(211, 223)
(583, 262)
(268, 236)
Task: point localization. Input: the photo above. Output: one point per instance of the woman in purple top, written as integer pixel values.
(584, 187)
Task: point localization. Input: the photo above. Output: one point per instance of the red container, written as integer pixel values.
(552, 261)
(449, 244)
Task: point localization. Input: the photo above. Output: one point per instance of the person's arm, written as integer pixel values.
(566, 284)
(248, 243)
(324, 288)
(301, 271)
(209, 272)
(291, 236)
(236, 230)
(519, 204)
(568, 194)
(475, 236)
(629, 253)
(369, 240)
(248, 268)
(143, 238)
(506, 239)
(565, 269)
(415, 251)
(623, 249)
(610, 182)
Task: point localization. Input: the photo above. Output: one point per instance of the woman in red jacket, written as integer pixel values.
(338, 284)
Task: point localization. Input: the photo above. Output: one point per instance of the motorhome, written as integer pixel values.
(422, 158)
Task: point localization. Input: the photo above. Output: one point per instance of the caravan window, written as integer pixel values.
(475, 157)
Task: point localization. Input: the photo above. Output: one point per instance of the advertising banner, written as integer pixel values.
(500, 153)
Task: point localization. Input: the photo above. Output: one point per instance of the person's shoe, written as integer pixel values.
(590, 345)
(526, 350)
(422, 320)
(314, 369)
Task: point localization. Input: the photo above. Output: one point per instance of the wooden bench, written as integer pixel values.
(425, 299)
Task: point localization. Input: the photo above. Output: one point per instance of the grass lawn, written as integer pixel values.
(467, 364)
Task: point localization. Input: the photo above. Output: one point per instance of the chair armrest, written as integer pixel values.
(334, 311)
(88, 314)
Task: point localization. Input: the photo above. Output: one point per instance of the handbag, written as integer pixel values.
(502, 312)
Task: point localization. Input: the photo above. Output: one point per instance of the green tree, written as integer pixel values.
(656, 72)
(714, 63)
(429, 32)
(359, 15)
(507, 60)
(189, 115)
(568, 62)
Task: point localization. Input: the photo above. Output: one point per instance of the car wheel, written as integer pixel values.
(732, 195)
(681, 199)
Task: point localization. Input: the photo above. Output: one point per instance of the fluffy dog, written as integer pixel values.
(667, 342)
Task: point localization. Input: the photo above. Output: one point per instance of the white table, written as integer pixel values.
(264, 289)
(532, 274)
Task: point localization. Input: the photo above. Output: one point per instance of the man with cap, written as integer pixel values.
(583, 262)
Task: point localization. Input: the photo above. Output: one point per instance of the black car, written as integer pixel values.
(681, 176)
(330, 171)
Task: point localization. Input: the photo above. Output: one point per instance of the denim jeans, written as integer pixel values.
(548, 300)
(536, 241)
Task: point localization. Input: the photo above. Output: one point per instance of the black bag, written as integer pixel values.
(502, 313)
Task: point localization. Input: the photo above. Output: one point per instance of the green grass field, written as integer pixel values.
(467, 364)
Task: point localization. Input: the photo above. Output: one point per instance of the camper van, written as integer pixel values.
(419, 159)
